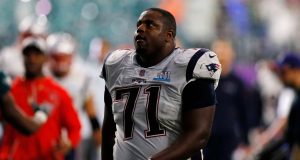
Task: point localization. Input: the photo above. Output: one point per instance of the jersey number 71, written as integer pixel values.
(132, 94)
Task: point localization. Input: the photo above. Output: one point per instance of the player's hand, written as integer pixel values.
(242, 152)
(41, 112)
(63, 146)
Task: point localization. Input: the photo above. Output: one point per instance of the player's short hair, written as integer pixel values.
(168, 18)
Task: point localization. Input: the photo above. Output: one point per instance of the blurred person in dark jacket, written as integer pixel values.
(281, 140)
(289, 71)
(230, 124)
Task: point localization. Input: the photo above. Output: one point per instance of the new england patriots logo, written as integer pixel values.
(212, 68)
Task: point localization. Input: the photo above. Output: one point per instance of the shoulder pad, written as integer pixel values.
(204, 64)
(208, 66)
(117, 55)
(185, 55)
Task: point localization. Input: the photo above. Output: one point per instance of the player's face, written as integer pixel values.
(288, 76)
(150, 34)
(34, 61)
(60, 64)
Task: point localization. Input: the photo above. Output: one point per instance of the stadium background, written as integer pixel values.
(250, 24)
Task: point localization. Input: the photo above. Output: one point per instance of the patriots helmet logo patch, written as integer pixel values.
(212, 68)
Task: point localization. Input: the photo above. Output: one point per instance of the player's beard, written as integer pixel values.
(140, 51)
(140, 46)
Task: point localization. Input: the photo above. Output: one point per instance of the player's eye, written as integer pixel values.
(150, 24)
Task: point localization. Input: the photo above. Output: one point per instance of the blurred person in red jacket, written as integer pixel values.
(36, 92)
(12, 114)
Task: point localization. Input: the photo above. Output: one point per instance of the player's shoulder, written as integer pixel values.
(200, 63)
(117, 55)
(185, 56)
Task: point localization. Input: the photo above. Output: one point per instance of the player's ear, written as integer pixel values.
(170, 35)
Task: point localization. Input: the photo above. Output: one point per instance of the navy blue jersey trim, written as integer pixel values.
(197, 156)
(107, 98)
(198, 94)
(104, 72)
(192, 63)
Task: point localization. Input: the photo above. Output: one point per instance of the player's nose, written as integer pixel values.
(141, 28)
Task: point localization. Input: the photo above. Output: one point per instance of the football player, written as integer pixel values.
(160, 100)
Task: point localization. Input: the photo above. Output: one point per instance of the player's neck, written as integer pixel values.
(30, 76)
(155, 58)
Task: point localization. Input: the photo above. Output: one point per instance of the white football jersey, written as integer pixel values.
(147, 101)
(78, 83)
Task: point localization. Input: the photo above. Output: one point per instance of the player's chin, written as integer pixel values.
(140, 48)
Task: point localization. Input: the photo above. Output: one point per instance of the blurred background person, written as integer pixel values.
(230, 123)
(270, 87)
(11, 59)
(280, 140)
(289, 72)
(75, 78)
(277, 104)
(99, 48)
(36, 92)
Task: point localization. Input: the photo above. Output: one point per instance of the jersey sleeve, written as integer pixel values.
(111, 58)
(112, 62)
(103, 73)
(202, 76)
(5, 83)
(198, 94)
(107, 98)
(204, 64)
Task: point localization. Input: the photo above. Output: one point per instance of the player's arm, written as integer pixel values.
(108, 129)
(90, 109)
(197, 117)
(198, 106)
(16, 117)
(70, 122)
(11, 113)
(92, 115)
